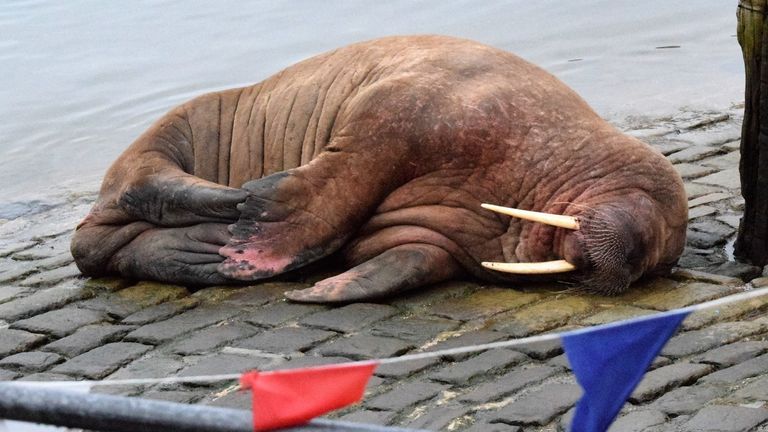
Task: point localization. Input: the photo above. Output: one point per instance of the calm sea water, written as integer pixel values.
(79, 80)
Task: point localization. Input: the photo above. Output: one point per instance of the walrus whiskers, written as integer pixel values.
(561, 221)
(546, 267)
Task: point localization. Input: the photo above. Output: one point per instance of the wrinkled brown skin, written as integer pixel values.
(384, 150)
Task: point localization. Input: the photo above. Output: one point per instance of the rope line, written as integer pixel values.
(734, 298)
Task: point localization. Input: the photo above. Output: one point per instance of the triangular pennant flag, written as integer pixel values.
(292, 397)
(609, 361)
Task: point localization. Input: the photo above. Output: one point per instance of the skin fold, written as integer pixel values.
(382, 152)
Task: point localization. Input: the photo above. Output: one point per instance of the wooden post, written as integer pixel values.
(752, 241)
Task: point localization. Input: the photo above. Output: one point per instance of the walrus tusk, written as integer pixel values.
(569, 222)
(559, 266)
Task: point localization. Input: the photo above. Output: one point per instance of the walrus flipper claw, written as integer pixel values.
(398, 269)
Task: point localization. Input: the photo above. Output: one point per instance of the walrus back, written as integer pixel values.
(288, 119)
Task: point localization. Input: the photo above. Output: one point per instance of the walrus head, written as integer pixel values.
(607, 246)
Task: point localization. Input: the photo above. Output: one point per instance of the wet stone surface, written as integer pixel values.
(56, 325)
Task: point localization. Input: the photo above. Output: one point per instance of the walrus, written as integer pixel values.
(385, 152)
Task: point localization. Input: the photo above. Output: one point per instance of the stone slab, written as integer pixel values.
(161, 312)
(616, 313)
(542, 316)
(206, 340)
(698, 341)
(405, 369)
(61, 322)
(539, 407)
(413, 329)
(481, 366)
(362, 346)
(102, 361)
(638, 421)
(51, 277)
(9, 292)
(13, 341)
(731, 354)
(708, 199)
(405, 395)
(728, 179)
(741, 371)
(226, 364)
(438, 418)
(509, 383)
(87, 338)
(689, 170)
(665, 378)
(369, 417)
(689, 399)
(483, 303)
(286, 339)
(695, 190)
(280, 313)
(192, 320)
(31, 361)
(692, 154)
(43, 300)
(473, 337)
(349, 318)
(722, 418)
(132, 299)
(677, 296)
(756, 391)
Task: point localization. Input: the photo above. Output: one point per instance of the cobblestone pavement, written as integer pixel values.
(713, 375)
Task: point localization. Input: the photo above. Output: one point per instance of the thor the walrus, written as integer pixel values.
(384, 151)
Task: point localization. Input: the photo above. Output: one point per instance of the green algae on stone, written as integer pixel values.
(700, 276)
(484, 303)
(616, 313)
(425, 298)
(106, 284)
(730, 311)
(147, 293)
(685, 294)
(261, 293)
(214, 294)
(542, 316)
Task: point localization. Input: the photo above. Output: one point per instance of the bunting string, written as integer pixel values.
(754, 293)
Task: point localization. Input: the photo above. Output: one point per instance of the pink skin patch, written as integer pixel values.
(243, 262)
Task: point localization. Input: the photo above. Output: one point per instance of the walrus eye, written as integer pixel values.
(558, 266)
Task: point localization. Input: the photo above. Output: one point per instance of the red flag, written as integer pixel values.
(292, 397)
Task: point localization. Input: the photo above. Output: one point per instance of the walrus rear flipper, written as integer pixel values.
(398, 269)
(184, 255)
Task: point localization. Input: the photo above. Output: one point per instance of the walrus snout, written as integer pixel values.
(607, 247)
(614, 248)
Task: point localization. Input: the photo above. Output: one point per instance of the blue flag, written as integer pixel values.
(609, 361)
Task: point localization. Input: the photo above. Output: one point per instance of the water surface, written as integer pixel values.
(82, 79)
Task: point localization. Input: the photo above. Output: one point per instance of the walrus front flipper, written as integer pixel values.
(175, 198)
(398, 269)
(186, 255)
(294, 217)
